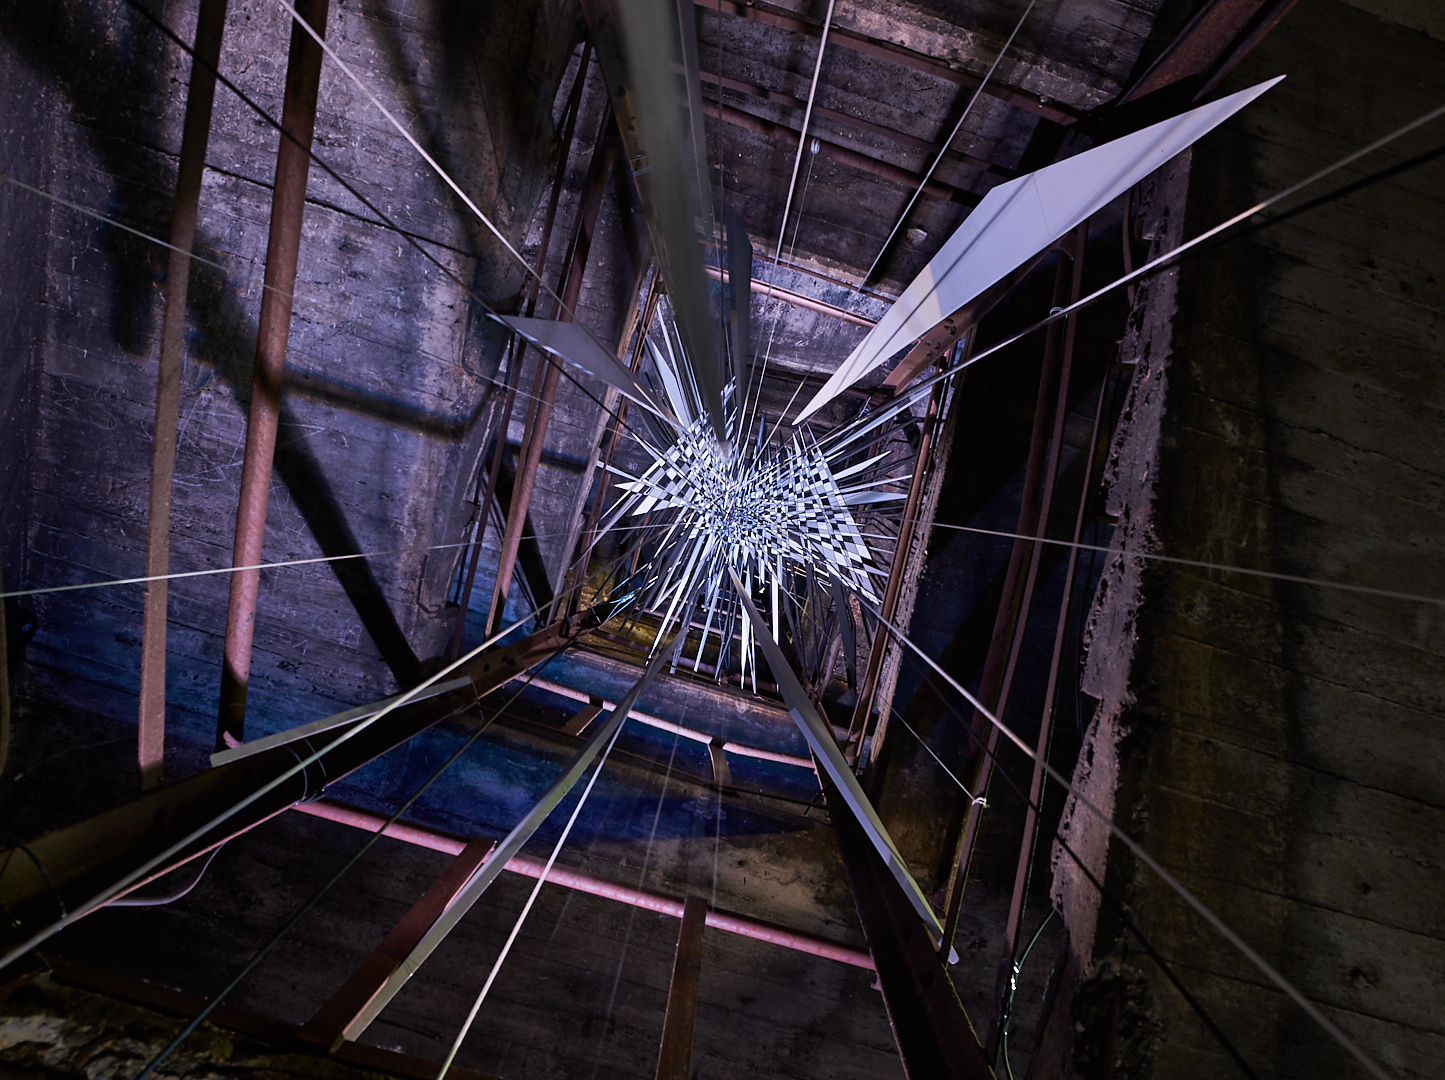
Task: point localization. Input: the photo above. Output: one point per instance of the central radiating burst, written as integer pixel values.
(763, 512)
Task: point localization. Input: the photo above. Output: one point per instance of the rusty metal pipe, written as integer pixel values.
(531, 456)
(195, 134)
(1058, 362)
(519, 348)
(796, 299)
(663, 904)
(283, 246)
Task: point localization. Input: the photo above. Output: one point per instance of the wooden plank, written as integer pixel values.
(674, 1059)
(327, 1024)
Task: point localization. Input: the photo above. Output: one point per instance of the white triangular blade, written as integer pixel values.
(579, 348)
(1017, 220)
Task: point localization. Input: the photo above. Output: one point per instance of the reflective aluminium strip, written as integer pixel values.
(327, 723)
(815, 730)
(490, 870)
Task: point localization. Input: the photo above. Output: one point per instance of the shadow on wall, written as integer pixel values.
(106, 62)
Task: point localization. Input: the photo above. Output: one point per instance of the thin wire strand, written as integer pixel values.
(1206, 913)
(792, 185)
(777, 316)
(280, 935)
(1272, 575)
(924, 743)
(943, 150)
(527, 907)
(277, 565)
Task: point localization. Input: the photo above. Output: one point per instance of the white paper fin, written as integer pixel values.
(1017, 220)
(579, 348)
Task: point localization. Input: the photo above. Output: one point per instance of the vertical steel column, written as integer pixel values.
(288, 201)
(1058, 360)
(210, 22)
(519, 349)
(1041, 748)
(933, 1033)
(531, 455)
(674, 1058)
(868, 685)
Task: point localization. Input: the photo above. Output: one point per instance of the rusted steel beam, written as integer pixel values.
(787, 296)
(1209, 47)
(1011, 623)
(329, 1021)
(885, 170)
(661, 903)
(83, 860)
(674, 1057)
(933, 1033)
(898, 54)
(1041, 749)
(283, 246)
(868, 681)
(519, 350)
(591, 203)
(195, 134)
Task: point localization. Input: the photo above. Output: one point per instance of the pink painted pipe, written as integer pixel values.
(595, 886)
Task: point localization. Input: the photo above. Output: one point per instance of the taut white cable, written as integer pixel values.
(1264, 966)
(942, 150)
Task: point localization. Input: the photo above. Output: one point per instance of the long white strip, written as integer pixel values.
(821, 740)
(489, 871)
(328, 723)
(526, 910)
(1017, 220)
(1175, 253)
(1263, 965)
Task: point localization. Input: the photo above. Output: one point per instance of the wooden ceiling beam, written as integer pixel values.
(898, 54)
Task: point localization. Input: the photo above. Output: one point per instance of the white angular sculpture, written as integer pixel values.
(1017, 220)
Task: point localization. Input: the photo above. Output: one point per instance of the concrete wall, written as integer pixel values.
(1281, 752)
(391, 367)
